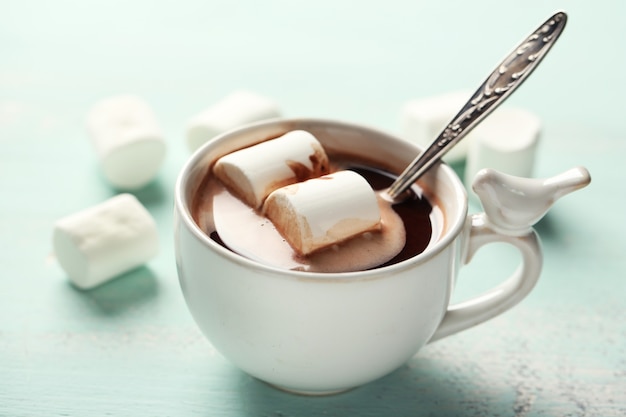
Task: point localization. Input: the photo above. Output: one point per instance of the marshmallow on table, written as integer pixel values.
(104, 241)
(321, 212)
(237, 109)
(422, 120)
(127, 139)
(252, 173)
(506, 141)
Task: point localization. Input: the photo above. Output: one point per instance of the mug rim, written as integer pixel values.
(183, 212)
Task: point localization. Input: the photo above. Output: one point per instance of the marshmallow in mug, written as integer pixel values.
(101, 242)
(286, 179)
(127, 139)
(301, 214)
(253, 173)
(236, 109)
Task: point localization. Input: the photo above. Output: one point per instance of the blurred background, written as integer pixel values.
(355, 60)
(560, 353)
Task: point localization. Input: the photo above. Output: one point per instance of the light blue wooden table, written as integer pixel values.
(130, 347)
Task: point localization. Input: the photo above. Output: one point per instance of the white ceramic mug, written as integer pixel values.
(319, 333)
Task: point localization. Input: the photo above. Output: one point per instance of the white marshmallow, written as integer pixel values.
(236, 109)
(423, 119)
(506, 141)
(321, 212)
(127, 139)
(252, 173)
(104, 241)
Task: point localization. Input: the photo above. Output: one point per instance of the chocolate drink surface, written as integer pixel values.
(422, 226)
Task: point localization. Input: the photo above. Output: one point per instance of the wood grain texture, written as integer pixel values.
(130, 347)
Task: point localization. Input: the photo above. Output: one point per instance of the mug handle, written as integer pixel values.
(469, 313)
(512, 205)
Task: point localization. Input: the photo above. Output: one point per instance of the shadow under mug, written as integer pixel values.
(319, 333)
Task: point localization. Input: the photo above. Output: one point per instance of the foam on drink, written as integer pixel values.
(253, 230)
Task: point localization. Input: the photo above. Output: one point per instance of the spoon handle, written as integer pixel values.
(509, 75)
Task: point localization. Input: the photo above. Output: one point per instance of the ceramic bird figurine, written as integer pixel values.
(515, 204)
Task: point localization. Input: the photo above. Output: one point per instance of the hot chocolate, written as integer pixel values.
(410, 226)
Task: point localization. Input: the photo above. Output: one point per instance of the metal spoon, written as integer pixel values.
(505, 79)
